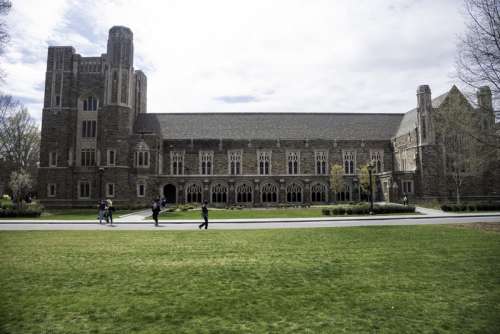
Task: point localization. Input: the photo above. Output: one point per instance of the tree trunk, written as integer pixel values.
(458, 195)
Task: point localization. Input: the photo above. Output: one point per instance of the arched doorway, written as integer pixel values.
(170, 193)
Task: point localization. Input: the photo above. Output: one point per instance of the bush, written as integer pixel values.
(326, 212)
(31, 210)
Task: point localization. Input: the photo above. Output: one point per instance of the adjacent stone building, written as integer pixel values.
(98, 141)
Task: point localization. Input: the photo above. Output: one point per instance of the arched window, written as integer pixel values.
(344, 195)
(294, 193)
(269, 193)
(90, 103)
(219, 193)
(193, 193)
(141, 156)
(243, 193)
(318, 193)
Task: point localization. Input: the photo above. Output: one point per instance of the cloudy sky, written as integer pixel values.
(250, 56)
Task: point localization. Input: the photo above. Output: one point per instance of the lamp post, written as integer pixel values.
(370, 170)
(101, 171)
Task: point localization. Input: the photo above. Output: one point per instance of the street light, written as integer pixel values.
(101, 171)
(370, 170)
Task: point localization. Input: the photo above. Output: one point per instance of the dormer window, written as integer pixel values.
(90, 104)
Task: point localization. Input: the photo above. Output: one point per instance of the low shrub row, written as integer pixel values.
(364, 209)
(26, 210)
(471, 207)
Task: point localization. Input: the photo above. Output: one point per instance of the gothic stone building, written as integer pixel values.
(98, 141)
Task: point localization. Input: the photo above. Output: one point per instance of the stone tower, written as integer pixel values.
(424, 115)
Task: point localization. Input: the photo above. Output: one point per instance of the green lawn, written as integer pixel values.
(252, 213)
(425, 279)
(70, 214)
(245, 213)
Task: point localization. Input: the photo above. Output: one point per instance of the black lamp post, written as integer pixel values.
(370, 170)
(101, 171)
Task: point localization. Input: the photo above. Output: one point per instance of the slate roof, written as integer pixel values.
(299, 126)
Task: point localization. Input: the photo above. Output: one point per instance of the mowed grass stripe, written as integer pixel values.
(376, 279)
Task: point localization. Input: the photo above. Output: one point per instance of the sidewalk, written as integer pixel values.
(139, 217)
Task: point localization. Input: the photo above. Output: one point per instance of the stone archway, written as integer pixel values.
(170, 193)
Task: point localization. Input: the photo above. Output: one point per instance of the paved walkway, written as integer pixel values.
(257, 224)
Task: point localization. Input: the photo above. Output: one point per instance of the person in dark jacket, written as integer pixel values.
(156, 207)
(109, 211)
(204, 214)
(102, 210)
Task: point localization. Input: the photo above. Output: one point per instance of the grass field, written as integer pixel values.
(70, 214)
(424, 279)
(251, 213)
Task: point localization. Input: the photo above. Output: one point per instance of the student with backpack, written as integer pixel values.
(156, 207)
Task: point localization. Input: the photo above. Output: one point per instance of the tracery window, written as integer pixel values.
(90, 103)
(219, 193)
(293, 159)
(244, 193)
(206, 162)
(294, 193)
(349, 162)
(264, 162)
(87, 157)
(269, 193)
(344, 195)
(377, 158)
(321, 161)
(142, 159)
(193, 193)
(177, 162)
(318, 193)
(89, 128)
(84, 189)
(234, 162)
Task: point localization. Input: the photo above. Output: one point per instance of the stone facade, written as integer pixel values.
(98, 141)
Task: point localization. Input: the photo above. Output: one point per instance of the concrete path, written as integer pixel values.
(433, 212)
(170, 226)
(134, 216)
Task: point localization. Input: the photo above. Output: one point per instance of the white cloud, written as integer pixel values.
(289, 55)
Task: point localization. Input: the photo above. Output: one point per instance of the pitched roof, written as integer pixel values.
(329, 126)
(408, 123)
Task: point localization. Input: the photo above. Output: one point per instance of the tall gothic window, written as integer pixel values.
(318, 193)
(90, 104)
(294, 193)
(264, 162)
(424, 129)
(84, 189)
(349, 162)
(243, 193)
(345, 194)
(142, 159)
(193, 193)
(53, 159)
(206, 162)
(234, 162)
(377, 158)
(219, 193)
(269, 193)
(321, 162)
(89, 128)
(177, 163)
(87, 157)
(293, 159)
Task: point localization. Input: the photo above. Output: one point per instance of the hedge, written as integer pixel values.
(9, 210)
(364, 209)
(471, 207)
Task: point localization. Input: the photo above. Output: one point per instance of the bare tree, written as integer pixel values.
(19, 135)
(5, 6)
(478, 59)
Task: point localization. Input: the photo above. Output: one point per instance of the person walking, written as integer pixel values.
(156, 207)
(109, 211)
(204, 214)
(102, 210)
(405, 200)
